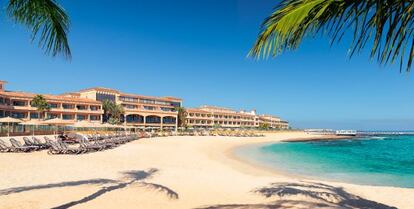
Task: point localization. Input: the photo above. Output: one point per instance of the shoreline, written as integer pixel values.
(261, 168)
(247, 162)
(233, 154)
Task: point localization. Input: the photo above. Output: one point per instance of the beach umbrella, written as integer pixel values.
(56, 122)
(86, 124)
(32, 123)
(9, 120)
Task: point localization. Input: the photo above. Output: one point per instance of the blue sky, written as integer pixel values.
(197, 50)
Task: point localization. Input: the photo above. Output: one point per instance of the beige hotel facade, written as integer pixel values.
(210, 116)
(140, 111)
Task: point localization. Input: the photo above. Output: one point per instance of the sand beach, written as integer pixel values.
(176, 172)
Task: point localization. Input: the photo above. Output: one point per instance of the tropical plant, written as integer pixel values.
(264, 126)
(112, 112)
(386, 25)
(47, 21)
(107, 106)
(41, 105)
(116, 113)
(182, 115)
(216, 126)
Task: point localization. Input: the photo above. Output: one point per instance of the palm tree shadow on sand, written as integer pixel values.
(322, 196)
(134, 177)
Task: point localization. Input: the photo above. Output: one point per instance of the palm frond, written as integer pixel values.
(158, 187)
(48, 23)
(387, 25)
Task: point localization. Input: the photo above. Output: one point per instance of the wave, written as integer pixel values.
(378, 137)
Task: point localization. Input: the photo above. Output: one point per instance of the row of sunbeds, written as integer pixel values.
(83, 143)
(87, 144)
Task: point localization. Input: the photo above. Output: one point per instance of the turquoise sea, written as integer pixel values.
(382, 161)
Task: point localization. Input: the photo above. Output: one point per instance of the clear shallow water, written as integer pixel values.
(382, 161)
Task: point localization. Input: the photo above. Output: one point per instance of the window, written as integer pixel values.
(95, 117)
(147, 101)
(19, 103)
(128, 99)
(17, 115)
(81, 117)
(68, 106)
(135, 119)
(95, 108)
(82, 107)
(34, 115)
(53, 105)
(103, 97)
(52, 116)
(169, 120)
(67, 117)
(149, 108)
(130, 106)
(167, 109)
(175, 104)
(2, 101)
(153, 119)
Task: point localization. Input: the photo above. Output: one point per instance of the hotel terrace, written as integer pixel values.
(140, 111)
(209, 116)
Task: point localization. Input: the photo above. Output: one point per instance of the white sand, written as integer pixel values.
(201, 170)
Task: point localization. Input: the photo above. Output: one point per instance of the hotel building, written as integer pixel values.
(210, 116)
(140, 111)
(17, 105)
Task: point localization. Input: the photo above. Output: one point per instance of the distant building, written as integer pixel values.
(210, 116)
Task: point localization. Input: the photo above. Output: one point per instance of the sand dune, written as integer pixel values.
(175, 172)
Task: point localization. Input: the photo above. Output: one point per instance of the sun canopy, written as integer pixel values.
(86, 124)
(107, 125)
(10, 120)
(32, 123)
(56, 122)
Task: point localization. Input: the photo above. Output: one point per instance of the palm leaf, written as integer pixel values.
(48, 23)
(388, 26)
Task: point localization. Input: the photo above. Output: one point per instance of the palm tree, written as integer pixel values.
(41, 104)
(264, 126)
(386, 25)
(181, 116)
(107, 106)
(116, 112)
(47, 21)
(112, 111)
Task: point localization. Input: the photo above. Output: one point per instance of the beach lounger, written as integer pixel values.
(70, 150)
(4, 147)
(18, 147)
(54, 148)
(85, 144)
(39, 143)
